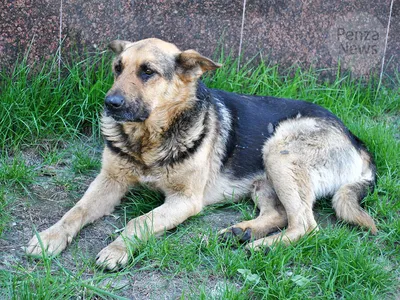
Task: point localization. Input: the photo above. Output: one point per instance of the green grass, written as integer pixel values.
(58, 121)
(4, 214)
(45, 283)
(84, 161)
(36, 106)
(15, 171)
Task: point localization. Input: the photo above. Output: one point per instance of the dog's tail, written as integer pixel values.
(346, 201)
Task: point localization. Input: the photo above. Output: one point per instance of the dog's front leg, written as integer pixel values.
(103, 194)
(173, 212)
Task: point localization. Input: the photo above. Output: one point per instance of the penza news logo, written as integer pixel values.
(357, 41)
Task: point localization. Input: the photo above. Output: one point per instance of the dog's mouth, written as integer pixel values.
(127, 116)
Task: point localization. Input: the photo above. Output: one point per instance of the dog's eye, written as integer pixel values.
(146, 73)
(118, 68)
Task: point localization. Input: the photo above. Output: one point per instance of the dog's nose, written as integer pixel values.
(114, 101)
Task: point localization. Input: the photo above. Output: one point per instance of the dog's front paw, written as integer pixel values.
(52, 241)
(114, 256)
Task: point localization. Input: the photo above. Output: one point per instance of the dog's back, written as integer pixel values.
(253, 120)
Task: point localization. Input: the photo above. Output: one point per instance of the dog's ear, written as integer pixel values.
(118, 46)
(191, 64)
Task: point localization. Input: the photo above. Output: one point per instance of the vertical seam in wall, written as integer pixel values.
(241, 34)
(60, 40)
(386, 41)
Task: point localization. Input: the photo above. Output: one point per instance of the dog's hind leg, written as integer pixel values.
(291, 183)
(272, 215)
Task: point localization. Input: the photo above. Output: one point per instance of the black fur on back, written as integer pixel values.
(254, 120)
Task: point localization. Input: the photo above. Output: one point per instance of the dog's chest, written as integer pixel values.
(150, 178)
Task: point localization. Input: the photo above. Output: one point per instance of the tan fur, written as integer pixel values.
(294, 169)
(295, 158)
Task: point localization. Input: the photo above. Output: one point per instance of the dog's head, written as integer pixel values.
(152, 74)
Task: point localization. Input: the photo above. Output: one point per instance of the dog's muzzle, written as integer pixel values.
(120, 110)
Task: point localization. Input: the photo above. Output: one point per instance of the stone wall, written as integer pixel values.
(305, 32)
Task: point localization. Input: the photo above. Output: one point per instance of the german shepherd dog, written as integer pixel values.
(163, 127)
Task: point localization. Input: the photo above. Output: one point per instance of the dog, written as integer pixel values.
(163, 127)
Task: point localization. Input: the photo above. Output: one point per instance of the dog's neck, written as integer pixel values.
(169, 136)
